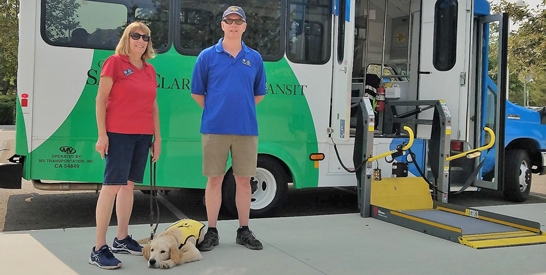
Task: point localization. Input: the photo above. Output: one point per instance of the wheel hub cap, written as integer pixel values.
(264, 189)
(524, 177)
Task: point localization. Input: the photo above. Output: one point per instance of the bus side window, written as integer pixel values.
(309, 34)
(79, 38)
(445, 34)
(196, 30)
(99, 24)
(156, 17)
(201, 27)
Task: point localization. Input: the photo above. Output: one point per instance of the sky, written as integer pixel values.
(531, 3)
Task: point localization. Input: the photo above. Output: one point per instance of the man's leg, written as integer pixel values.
(245, 157)
(213, 199)
(243, 196)
(242, 199)
(215, 155)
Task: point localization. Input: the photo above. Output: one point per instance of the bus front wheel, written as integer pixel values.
(269, 188)
(517, 175)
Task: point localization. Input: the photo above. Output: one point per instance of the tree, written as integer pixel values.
(526, 50)
(9, 40)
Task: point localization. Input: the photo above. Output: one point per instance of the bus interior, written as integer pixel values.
(383, 52)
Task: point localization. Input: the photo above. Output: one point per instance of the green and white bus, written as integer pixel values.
(320, 58)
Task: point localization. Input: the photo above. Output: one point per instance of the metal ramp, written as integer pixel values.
(408, 202)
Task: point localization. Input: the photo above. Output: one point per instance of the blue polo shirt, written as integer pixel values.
(229, 84)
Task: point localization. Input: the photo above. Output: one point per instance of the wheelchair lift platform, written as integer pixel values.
(414, 203)
(407, 202)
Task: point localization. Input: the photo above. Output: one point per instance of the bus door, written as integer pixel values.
(492, 36)
(444, 60)
(342, 57)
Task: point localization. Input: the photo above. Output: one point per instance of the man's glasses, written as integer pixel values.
(237, 21)
(136, 36)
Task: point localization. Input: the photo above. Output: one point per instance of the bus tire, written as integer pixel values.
(269, 188)
(517, 175)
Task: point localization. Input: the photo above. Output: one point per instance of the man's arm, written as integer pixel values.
(258, 98)
(200, 99)
(199, 80)
(260, 88)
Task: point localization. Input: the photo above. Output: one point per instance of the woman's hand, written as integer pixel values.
(156, 150)
(102, 146)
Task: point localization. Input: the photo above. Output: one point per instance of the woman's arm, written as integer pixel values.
(156, 145)
(105, 86)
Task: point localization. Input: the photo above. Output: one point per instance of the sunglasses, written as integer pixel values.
(237, 21)
(137, 36)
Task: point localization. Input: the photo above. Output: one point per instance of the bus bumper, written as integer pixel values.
(11, 174)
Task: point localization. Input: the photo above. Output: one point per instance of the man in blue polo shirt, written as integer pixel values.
(228, 82)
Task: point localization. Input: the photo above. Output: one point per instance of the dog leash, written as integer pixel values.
(153, 198)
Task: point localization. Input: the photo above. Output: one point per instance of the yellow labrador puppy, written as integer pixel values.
(176, 245)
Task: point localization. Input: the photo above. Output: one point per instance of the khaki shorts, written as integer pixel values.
(216, 148)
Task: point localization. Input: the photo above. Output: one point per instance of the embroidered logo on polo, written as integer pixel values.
(247, 62)
(128, 72)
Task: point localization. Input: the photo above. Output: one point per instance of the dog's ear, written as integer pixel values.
(146, 251)
(176, 255)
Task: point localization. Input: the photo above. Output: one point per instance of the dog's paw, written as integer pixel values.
(164, 265)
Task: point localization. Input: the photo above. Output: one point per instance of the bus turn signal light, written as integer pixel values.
(316, 156)
(24, 100)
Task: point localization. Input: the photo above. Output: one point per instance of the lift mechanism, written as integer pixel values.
(409, 202)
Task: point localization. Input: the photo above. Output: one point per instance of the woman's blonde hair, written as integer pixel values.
(123, 45)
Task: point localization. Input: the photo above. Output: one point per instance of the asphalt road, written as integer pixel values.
(33, 209)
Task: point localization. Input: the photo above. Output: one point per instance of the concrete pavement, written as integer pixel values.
(331, 244)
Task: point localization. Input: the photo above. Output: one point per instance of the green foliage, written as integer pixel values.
(537, 89)
(9, 40)
(526, 51)
(7, 109)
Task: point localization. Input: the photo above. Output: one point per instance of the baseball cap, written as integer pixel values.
(234, 10)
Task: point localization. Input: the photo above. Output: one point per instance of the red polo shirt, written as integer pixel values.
(130, 104)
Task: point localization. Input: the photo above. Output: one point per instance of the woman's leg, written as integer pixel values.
(124, 208)
(103, 213)
(124, 203)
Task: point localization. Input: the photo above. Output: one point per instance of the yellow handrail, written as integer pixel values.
(483, 148)
(410, 143)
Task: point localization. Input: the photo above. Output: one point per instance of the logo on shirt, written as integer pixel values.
(247, 62)
(128, 72)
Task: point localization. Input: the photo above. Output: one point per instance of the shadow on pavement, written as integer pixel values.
(490, 198)
(36, 211)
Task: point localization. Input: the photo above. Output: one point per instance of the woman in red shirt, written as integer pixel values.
(128, 127)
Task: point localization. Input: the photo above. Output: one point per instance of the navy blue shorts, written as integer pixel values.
(126, 159)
